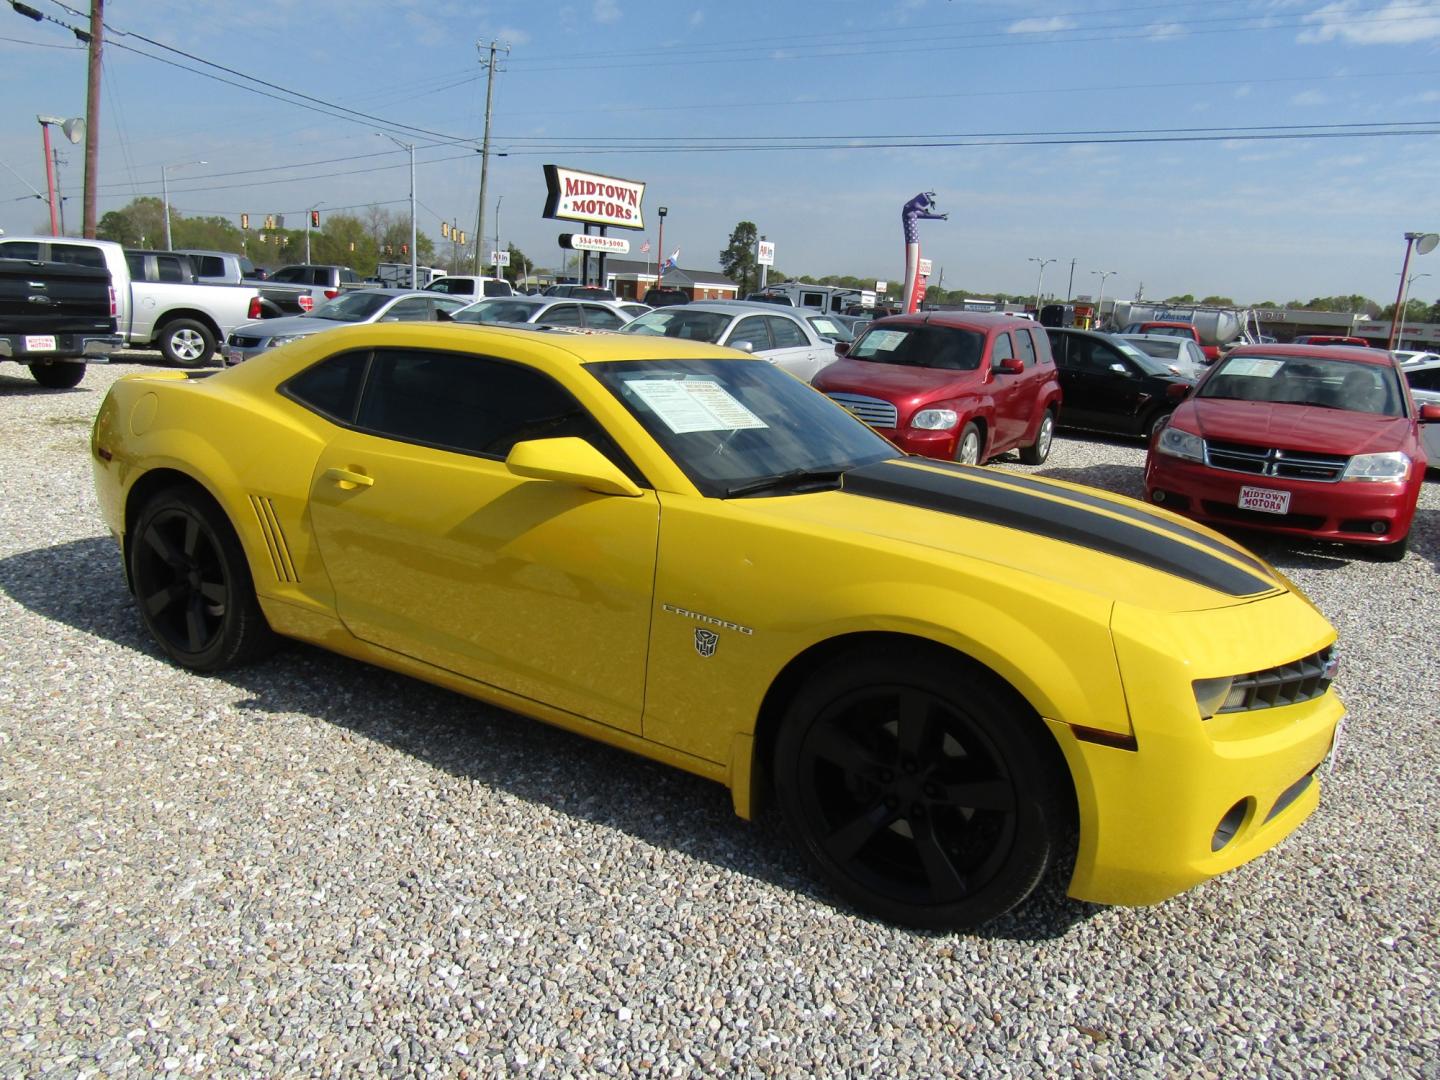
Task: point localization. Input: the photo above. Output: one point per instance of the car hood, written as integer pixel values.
(895, 382)
(1294, 427)
(990, 524)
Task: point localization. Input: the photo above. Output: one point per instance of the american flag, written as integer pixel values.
(645, 248)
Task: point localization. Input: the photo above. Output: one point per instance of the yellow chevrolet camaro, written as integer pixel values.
(941, 673)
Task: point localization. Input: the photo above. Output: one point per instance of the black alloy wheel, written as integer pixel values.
(919, 791)
(192, 583)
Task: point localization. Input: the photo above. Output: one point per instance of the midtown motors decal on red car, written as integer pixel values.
(599, 200)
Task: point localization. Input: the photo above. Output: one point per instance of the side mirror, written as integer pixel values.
(744, 346)
(1012, 365)
(1120, 369)
(842, 348)
(1429, 413)
(570, 461)
(441, 315)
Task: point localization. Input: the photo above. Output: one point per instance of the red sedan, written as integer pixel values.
(1309, 440)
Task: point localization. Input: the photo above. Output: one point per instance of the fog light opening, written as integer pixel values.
(1378, 528)
(1231, 824)
(1158, 495)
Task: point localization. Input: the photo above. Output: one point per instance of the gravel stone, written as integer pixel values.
(314, 867)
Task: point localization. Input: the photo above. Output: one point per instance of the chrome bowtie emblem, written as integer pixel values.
(705, 641)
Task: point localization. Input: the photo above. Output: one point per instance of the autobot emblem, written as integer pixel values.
(705, 641)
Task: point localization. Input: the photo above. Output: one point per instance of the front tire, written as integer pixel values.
(193, 585)
(58, 374)
(967, 447)
(1039, 450)
(187, 343)
(920, 788)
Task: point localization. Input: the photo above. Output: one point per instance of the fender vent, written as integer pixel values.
(274, 539)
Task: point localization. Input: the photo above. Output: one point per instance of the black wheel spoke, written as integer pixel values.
(840, 748)
(195, 624)
(981, 795)
(845, 842)
(915, 724)
(214, 591)
(161, 599)
(158, 541)
(946, 883)
(192, 536)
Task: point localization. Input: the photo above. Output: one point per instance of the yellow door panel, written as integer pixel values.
(540, 588)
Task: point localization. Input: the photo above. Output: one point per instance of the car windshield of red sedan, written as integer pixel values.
(742, 427)
(1306, 380)
(921, 346)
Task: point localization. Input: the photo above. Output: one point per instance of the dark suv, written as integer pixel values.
(666, 297)
(1110, 385)
(954, 385)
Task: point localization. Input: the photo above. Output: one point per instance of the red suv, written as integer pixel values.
(959, 386)
(1310, 440)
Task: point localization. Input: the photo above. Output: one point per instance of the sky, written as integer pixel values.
(1154, 144)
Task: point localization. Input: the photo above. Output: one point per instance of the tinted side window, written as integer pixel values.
(1059, 344)
(1025, 346)
(20, 249)
(291, 274)
(411, 309)
(498, 288)
(561, 315)
(1001, 349)
(786, 334)
(167, 268)
(602, 318)
(1424, 380)
(468, 404)
(78, 255)
(209, 265)
(331, 387)
(751, 329)
(136, 263)
(348, 276)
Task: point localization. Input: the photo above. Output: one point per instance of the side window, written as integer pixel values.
(348, 276)
(561, 315)
(167, 268)
(1059, 345)
(1001, 349)
(751, 329)
(28, 250)
(786, 334)
(468, 404)
(1424, 380)
(601, 318)
(812, 299)
(449, 304)
(78, 255)
(1107, 359)
(331, 387)
(445, 287)
(290, 274)
(319, 277)
(1026, 347)
(498, 288)
(136, 264)
(209, 265)
(411, 309)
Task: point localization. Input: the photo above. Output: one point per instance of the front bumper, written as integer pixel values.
(1349, 510)
(90, 348)
(931, 444)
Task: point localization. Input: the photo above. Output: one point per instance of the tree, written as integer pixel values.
(737, 261)
(521, 266)
(1184, 298)
(1218, 301)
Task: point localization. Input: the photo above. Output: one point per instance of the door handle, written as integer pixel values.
(348, 478)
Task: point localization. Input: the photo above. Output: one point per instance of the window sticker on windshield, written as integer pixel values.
(884, 340)
(1255, 366)
(694, 405)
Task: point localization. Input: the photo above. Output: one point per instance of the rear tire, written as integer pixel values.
(193, 585)
(186, 343)
(920, 788)
(58, 374)
(1039, 450)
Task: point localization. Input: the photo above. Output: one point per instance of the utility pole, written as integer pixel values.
(498, 200)
(59, 195)
(92, 116)
(489, 67)
(1070, 289)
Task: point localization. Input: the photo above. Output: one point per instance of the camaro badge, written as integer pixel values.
(705, 641)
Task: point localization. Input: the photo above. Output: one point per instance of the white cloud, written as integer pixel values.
(1164, 31)
(512, 36)
(1309, 97)
(1041, 26)
(697, 17)
(1242, 91)
(607, 11)
(1399, 22)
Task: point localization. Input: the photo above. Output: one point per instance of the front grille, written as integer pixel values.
(241, 342)
(873, 411)
(1299, 680)
(1272, 461)
(1260, 517)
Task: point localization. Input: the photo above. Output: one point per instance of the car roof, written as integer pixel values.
(964, 320)
(748, 305)
(1360, 354)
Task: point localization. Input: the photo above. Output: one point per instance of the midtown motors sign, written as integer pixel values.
(598, 200)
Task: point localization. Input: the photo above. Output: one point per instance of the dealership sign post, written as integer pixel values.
(596, 200)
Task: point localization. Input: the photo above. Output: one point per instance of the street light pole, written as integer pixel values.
(1399, 337)
(660, 254)
(165, 193)
(1422, 244)
(1040, 279)
(1100, 303)
(414, 269)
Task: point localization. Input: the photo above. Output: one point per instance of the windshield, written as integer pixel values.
(497, 311)
(351, 307)
(1142, 360)
(680, 322)
(1304, 380)
(728, 423)
(1168, 349)
(921, 346)
(827, 327)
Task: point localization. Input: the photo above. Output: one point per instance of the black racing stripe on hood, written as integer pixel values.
(1016, 509)
(1135, 513)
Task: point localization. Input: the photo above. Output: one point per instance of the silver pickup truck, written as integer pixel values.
(154, 306)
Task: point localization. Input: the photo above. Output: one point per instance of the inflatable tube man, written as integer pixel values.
(921, 206)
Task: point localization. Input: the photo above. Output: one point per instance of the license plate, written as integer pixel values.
(1266, 500)
(39, 342)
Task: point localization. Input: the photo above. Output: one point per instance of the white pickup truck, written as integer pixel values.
(154, 306)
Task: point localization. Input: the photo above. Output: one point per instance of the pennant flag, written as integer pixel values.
(670, 262)
(645, 248)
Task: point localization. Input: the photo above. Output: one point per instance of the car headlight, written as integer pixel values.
(1377, 467)
(1180, 444)
(282, 340)
(935, 419)
(1215, 695)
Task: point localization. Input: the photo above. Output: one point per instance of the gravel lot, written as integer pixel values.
(317, 868)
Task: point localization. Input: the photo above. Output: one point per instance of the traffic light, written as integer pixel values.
(269, 221)
(404, 249)
(445, 230)
(462, 236)
(314, 219)
(245, 221)
(389, 250)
